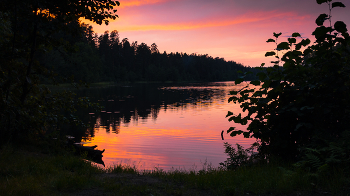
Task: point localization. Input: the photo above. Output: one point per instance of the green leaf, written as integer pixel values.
(307, 51)
(321, 1)
(321, 18)
(292, 40)
(230, 129)
(232, 99)
(229, 113)
(236, 119)
(270, 40)
(296, 34)
(283, 46)
(244, 121)
(320, 32)
(340, 26)
(276, 35)
(337, 4)
(305, 42)
(246, 134)
(234, 133)
(233, 92)
(270, 54)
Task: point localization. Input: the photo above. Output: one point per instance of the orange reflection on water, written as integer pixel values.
(181, 137)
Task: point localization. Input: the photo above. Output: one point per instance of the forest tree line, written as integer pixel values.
(42, 42)
(108, 58)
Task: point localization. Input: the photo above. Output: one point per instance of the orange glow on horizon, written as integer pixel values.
(131, 3)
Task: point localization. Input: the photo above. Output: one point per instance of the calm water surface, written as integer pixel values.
(163, 126)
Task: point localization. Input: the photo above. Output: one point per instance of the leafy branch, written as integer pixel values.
(305, 100)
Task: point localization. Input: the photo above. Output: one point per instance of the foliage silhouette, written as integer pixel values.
(30, 29)
(304, 103)
(239, 157)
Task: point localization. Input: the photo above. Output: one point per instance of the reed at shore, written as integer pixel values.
(30, 170)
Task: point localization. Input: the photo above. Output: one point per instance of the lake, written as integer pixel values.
(168, 126)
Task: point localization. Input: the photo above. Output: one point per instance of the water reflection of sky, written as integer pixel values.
(180, 131)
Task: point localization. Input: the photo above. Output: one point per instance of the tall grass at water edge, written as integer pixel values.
(31, 172)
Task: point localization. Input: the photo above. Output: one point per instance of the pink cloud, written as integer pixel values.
(233, 29)
(204, 23)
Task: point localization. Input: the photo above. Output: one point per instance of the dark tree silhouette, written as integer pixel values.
(32, 28)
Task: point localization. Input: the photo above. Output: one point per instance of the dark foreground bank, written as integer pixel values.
(31, 170)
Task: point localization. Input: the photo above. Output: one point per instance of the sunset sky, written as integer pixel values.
(231, 29)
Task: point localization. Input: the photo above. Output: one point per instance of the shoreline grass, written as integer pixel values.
(29, 171)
